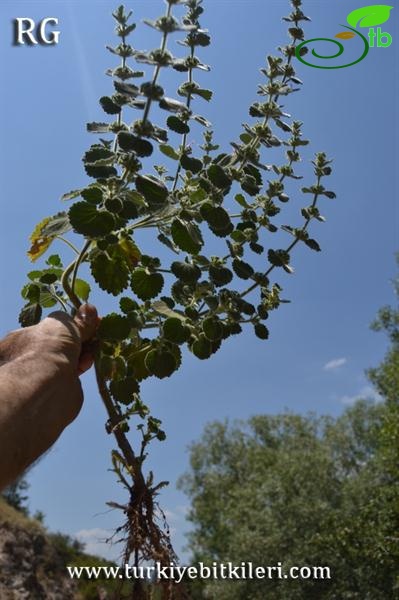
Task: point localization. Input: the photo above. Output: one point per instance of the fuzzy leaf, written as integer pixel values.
(113, 327)
(161, 363)
(242, 269)
(30, 315)
(92, 194)
(163, 309)
(111, 274)
(153, 190)
(220, 275)
(189, 163)
(97, 153)
(71, 195)
(127, 89)
(87, 220)
(213, 329)
(186, 272)
(123, 390)
(177, 125)
(45, 232)
(109, 106)
(169, 151)
(82, 289)
(146, 285)
(261, 331)
(219, 177)
(97, 127)
(187, 236)
(128, 141)
(175, 331)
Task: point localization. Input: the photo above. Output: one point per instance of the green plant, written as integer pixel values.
(195, 299)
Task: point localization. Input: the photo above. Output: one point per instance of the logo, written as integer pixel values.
(367, 17)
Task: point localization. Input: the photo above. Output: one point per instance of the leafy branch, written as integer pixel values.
(182, 296)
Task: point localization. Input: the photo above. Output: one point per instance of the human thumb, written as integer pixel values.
(87, 321)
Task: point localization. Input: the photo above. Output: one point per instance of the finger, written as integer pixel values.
(86, 361)
(87, 321)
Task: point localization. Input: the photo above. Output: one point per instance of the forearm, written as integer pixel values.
(31, 399)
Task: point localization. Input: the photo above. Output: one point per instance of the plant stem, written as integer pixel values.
(290, 247)
(68, 243)
(157, 69)
(78, 262)
(188, 105)
(123, 64)
(72, 269)
(114, 417)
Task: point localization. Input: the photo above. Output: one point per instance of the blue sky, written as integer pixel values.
(320, 344)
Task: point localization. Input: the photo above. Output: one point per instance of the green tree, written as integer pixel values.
(286, 488)
(305, 491)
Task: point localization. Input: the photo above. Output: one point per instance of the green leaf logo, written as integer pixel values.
(370, 16)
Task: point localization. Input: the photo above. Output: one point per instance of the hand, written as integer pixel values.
(40, 391)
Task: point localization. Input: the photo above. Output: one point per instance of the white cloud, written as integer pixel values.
(94, 541)
(336, 363)
(367, 393)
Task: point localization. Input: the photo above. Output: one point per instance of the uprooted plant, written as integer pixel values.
(197, 198)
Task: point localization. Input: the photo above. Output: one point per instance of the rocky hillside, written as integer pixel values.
(32, 562)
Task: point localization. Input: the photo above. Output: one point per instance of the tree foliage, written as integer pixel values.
(304, 491)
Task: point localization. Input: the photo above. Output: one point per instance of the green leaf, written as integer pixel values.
(205, 94)
(146, 285)
(128, 305)
(48, 278)
(97, 127)
(31, 292)
(190, 163)
(313, 244)
(369, 16)
(161, 363)
(54, 261)
(186, 272)
(202, 347)
(241, 201)
(187, 236)
(217, 218)
(109, 106)
(153, 190)
(128, 142)
(128, 89)
(97, 152)
(162, 308)
(113, 327)
(219, 177)
(169, 151)
(123, 390)
(213, 329)
(92, 194)
(261, 331)
(82, 289)
(177, 125)
(280, 258)
(220, 275)
(111, 273)
(175, 331)
(242, 269)
(71, 195)
(100, 172)
(30, 315)
(87, 220)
